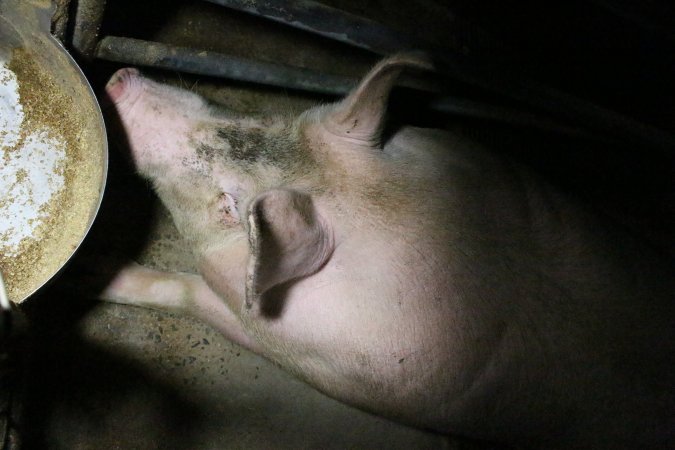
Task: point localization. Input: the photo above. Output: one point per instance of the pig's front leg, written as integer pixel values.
(176, 292)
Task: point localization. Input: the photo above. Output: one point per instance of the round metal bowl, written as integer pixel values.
(63, 126)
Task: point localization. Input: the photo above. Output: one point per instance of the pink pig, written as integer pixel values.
(419, 277)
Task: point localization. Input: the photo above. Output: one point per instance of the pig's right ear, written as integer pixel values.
(288, 240)
(361, 114)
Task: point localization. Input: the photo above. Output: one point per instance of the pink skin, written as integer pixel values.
(425, 279)
(160, 123)
(129, 92)
(180, 292)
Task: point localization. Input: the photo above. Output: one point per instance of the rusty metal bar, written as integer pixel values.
(326, 21)
(88, 18)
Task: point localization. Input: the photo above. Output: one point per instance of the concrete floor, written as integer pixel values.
(103, 376)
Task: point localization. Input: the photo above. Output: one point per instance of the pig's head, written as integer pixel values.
(279, 181)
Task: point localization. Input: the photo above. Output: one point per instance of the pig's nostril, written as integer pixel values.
(120, 83)
(124, 74)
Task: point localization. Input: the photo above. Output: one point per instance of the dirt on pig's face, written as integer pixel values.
(204, 163)
(168, 127)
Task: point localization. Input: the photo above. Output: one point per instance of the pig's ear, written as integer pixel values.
(361, 114)
(288, 240)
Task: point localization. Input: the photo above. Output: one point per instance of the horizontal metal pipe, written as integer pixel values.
(326, 21)
(153, 54)
(557, 103)
(368, 34)
(477, 110)
(200, 62)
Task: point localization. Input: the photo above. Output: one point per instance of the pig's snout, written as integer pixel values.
(124, 86)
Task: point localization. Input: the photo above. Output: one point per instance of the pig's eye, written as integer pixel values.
(227, 209)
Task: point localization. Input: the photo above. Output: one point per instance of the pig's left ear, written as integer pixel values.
(288, 240)
(361, 114)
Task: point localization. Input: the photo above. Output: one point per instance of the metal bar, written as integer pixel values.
(154, 54)
(202, 62)
(632, 12)
(4, 300)
(511, 116)
(557, 103)
(60, 19)
(326, 21)
(367, 34)
(592, 117)
(88, 18)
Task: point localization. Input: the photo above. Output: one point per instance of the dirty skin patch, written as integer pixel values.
(254, 145)
(246, 146)
(208, 153)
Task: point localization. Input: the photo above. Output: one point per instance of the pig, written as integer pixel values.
(413, 274)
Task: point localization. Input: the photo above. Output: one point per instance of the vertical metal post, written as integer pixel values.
(88, 18)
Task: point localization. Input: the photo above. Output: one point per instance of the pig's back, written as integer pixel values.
(473, 270)
(529, 274)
